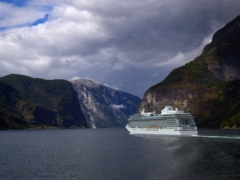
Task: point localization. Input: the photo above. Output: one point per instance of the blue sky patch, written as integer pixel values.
(35, 23)
(40, 21)
(2, 28)
(19, 3)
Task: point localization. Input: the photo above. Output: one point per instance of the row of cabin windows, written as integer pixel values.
(186, 121)
(182, 121)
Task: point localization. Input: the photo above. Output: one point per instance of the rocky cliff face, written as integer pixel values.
(209, 86)
(104, 106)
(39, 103)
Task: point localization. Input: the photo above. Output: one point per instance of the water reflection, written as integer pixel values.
(114, 154)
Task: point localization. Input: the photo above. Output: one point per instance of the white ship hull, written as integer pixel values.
(169, 122)
(185, 132)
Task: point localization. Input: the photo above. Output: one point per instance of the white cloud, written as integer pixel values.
(80, 78)
(112, 86)
(74, 78)
(154, 74)
(108, 41)
(115, 106)
(181, 58)
(14, 16)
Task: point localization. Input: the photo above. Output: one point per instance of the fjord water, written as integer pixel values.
(102, 154)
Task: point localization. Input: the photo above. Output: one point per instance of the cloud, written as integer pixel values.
(12, 16)
(133, 43)
(112, 86)
(74, 78)
(115, 106)
(79, 78)
(154, 74)
(181, 57)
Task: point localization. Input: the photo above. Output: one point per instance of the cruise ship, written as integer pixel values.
(169, 122)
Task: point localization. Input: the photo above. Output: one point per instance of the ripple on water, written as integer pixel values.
(114, 154)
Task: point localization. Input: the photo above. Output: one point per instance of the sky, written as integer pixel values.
(129, 45)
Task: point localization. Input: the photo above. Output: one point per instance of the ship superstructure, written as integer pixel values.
(169, 122)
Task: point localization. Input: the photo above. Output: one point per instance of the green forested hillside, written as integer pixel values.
(45, 103)
(10, 118)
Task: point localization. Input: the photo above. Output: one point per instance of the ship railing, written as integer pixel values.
(187, 128)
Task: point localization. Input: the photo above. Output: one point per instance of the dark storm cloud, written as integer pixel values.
(172, 27)
(130, 45)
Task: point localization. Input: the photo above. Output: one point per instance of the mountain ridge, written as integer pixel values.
(45, 103)
(208, 86)
(104, 106)
(36, 103)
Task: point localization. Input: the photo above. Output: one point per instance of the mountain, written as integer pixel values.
(38, 103)
(209, 86)
(10, 118)
(104, 106)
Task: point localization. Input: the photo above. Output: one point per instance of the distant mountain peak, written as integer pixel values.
(92, 84)
(104, 106)
(86, 81)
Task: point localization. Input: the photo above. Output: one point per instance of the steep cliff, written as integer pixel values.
(44, 103)
(104, 106)
(209, 86)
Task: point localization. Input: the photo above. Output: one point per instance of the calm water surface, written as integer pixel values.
(102, 154)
